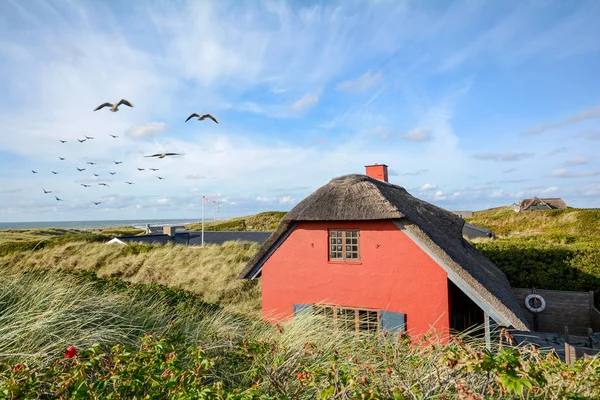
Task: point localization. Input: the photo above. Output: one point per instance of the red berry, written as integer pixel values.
(18, 367)
(300, 376)
(71, 352)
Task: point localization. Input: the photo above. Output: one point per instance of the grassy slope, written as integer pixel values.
(266, 221)
(210, 271)
(28, 235)
(555, 249)
(570, 221)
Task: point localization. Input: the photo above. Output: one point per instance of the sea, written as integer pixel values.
(136, 223)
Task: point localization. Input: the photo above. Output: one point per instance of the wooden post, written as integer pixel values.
(569, 353)
(488, 338)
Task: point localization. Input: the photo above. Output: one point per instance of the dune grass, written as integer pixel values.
(29, 235)
(569, 221)
(266, 221)
(210, 271)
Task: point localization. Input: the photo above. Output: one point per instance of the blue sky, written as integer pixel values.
(472, 104)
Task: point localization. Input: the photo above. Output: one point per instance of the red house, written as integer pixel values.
(370, 256)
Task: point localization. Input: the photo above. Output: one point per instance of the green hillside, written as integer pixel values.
(266, 221)
(545, 249)
(569, 221)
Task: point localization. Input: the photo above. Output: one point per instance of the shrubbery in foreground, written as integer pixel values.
(278, 368)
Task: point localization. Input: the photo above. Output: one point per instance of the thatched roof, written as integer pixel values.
(438, 231)
(552, 202)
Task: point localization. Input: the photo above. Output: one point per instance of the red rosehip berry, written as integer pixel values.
(71, 352)
(300, 376)
(17, 367)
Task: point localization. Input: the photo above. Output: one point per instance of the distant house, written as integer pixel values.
(536, 203)
(463, 214)
(371, 257)
(192, 238)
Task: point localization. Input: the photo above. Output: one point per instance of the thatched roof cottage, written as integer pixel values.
(370, 256)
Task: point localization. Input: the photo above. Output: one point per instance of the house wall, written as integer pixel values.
(393, 274)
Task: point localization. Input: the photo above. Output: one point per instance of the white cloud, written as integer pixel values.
(563, 173)
(578, 160)
(362, 83)
(590, 135)
(503, 156)
(582, 115)
(149, 129)
(556, 151)
(429, 186)
(418, 135)
(307, 101)
(415, 173)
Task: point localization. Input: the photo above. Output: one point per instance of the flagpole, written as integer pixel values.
(202, 221)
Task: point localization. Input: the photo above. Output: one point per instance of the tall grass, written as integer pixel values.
(210, 271)
(42, 314)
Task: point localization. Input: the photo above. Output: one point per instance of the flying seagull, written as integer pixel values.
(80, 169)
(160, 177)
(55, 173)
(96, 175)
(91, 163)
(112, 173)
(113, 136)
(129, 183)
(63, 141)
(118, 162)
(140, 169)
(201, 117)
(57, 199)
(84, 185)
(81, 141)
(153, 169)
(103, 184)
(88, 137)
(97, 202)
(163, 155)
(62, 158)
(35, 172)
(114, 107)
(46, 191)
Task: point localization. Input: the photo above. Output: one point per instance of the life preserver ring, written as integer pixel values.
(542, 306)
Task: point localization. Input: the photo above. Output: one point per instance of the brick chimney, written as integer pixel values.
(378, 171)
(169, 230)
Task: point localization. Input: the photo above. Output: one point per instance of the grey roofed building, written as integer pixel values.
(438, 231)
(195, 238)
(463, 214)
(471, 231)
(159, 229)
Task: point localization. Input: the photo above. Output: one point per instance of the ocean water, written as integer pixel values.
(137, 223)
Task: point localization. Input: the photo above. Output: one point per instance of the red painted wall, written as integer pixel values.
(393, 274)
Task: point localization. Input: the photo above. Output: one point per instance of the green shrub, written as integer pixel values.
(552, 262)
(282, 366)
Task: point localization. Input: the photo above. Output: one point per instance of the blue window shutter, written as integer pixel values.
(392, 321)
(298, 308)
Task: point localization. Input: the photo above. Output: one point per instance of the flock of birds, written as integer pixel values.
(114, 108)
